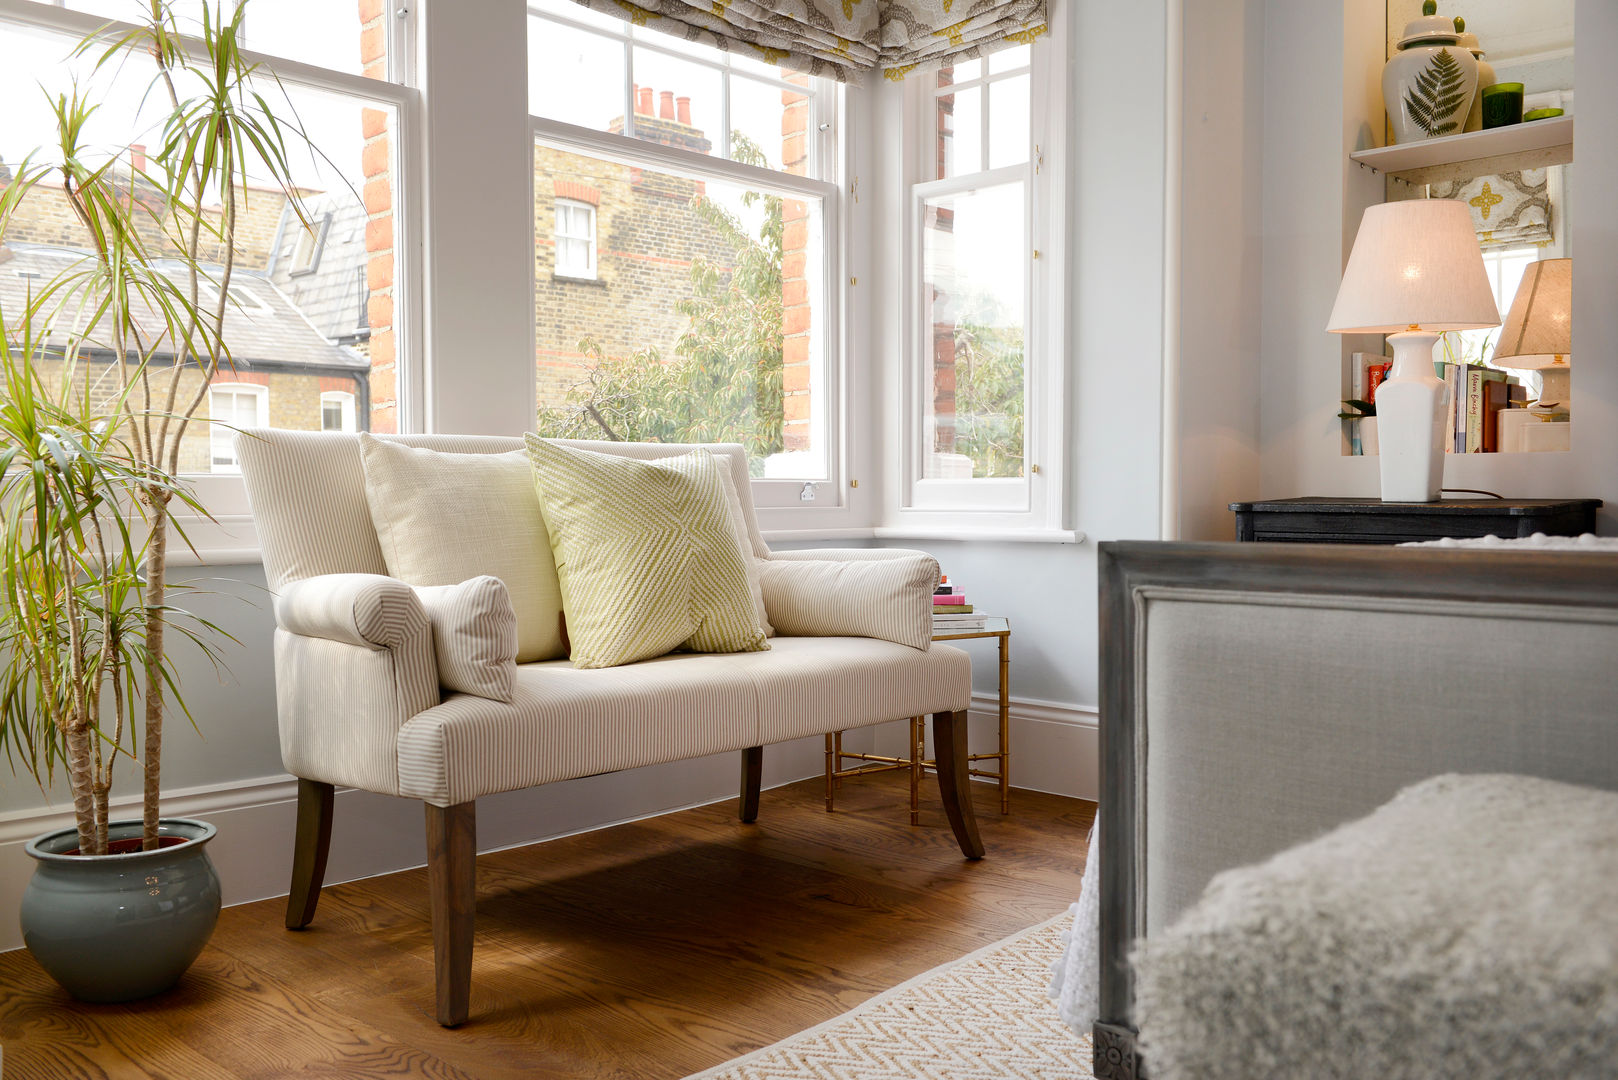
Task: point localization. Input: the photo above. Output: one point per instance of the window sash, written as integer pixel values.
(826, 392)
(820, 91)
(575, 239)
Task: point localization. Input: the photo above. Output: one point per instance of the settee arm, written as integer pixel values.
(843, 554)
(354, 660)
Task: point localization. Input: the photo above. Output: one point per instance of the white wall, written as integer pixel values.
(1321, 61)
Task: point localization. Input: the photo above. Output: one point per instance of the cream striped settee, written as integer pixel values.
(359, 702)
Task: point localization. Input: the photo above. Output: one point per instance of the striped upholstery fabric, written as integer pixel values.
(889, 599)
(474, 636)
(564, 722)
(843, 554)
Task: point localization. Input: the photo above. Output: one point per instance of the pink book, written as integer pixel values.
(949, 598)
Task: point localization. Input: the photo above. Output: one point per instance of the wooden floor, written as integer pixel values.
(646, 951)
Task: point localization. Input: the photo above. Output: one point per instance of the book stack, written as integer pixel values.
(951, 611)
(1476, 397)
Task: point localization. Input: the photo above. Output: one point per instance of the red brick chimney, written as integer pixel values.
(665, 105)
(682, 106)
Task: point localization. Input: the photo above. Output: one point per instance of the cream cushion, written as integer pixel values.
(474, 636)
(647, 555)
(889, 598)
(565, 722)
(442, 518)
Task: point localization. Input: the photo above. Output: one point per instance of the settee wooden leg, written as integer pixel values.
(310, 847)
(752, 777)
(452, 849)
(954, 780)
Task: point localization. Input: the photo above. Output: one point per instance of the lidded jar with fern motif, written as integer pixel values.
(1429, 83)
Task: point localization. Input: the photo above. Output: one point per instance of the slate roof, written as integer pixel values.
(262, 327)
(332, 293)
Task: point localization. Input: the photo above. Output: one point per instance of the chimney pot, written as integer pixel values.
(643, 100)
(683, 107)
(137, 155)
(665, 105)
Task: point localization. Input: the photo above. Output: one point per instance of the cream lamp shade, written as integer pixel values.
(1416, 264)
(1540, 324)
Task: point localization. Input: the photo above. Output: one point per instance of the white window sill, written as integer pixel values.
(924, 532)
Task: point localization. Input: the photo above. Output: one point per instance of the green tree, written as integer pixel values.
(989, 397)
(723, 383)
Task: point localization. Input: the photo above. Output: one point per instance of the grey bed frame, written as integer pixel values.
(1505, 604)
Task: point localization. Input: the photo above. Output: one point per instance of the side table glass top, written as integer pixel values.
(994, 626)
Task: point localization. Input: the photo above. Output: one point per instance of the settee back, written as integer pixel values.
(307, 490)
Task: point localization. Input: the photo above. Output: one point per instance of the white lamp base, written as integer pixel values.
(1410, 414)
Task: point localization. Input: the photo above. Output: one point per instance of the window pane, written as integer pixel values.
(770, 125)
(309, 312)
(1008, 121)
(1009, 59)
(575, 76)
(321, 32)
(961, 71)
(567, 9)
(706, 320)
(678, 103)
(974, 303)
(960, 132)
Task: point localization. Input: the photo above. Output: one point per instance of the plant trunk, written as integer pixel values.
(81, 781)
(156, 581)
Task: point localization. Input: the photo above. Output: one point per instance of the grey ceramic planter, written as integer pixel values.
(120, 927)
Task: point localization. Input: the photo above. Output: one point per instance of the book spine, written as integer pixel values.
(1374, 376)
(1453, 396)
(1474, 410)
(952, 609)
(942, 599)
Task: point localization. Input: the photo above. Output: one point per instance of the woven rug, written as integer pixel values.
(986, 1016)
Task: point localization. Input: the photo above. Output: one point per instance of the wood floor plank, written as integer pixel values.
(647, 951)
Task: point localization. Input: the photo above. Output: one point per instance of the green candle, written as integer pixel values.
(1502, 104)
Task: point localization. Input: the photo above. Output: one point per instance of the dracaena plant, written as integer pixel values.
(105, 369)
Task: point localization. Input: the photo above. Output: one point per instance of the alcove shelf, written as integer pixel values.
(1532, 145)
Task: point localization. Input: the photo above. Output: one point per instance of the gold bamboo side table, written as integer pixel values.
(916, 755)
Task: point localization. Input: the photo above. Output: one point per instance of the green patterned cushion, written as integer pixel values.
(646, 554)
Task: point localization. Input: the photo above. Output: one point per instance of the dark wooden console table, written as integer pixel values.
(1315, 520)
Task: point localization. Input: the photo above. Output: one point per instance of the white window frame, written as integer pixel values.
(218, 432)
(786, 508)
(342, 398)
(1033, 506)
(587, 272)
(227, 533)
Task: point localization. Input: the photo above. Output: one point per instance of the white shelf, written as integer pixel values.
(1531, 145)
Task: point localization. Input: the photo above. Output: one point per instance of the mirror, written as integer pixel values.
(1521, 212)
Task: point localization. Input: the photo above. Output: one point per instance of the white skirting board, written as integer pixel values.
(1053, 749)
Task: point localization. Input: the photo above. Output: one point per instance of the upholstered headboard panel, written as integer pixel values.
(1256, 695)
(1271, 719)
(307, 489)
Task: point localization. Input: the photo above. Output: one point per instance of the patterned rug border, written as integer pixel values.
(883, 998)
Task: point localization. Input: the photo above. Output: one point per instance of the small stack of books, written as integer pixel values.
(951, 612)
(1476, 395)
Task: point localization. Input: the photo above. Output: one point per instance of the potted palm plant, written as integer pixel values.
(104, 369)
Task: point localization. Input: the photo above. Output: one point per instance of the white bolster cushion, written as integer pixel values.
(846, 554)
(370, 610)
(887, 598)
(474, 636)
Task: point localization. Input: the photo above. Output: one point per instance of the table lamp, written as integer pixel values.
(1539, 329)
(1415, 271)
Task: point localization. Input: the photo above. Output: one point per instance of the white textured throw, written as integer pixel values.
(1468, 928)
(1076, 975)
(1537, 542)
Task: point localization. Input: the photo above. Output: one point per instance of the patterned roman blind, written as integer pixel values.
(1509, 209)
(843, 38)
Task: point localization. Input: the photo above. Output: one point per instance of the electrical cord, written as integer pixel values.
(1475, 491)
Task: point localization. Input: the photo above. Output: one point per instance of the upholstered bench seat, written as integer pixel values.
(564, 722)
